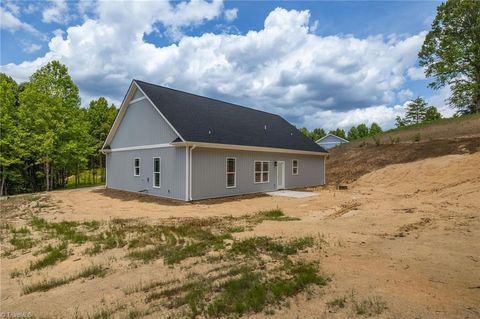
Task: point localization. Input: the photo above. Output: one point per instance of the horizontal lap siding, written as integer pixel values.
(209, 169)
(120, 171)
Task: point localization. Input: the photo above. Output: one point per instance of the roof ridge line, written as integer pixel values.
(206, 97)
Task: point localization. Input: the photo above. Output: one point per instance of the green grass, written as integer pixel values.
(62, 230)
(54, 255)
(86, 180)
(339, 302)
(368, 307)
(45, 285)
(253, 291)
(21, 242)
(255, 245)
(273, 214)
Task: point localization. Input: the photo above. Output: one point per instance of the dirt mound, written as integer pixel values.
(348, 162)
(430, 175)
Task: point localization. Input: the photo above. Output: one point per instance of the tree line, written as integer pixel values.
(45, 135)
(355, 132)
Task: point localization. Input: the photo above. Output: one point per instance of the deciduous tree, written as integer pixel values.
(451, 53)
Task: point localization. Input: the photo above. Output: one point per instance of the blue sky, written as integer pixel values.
(317, 63)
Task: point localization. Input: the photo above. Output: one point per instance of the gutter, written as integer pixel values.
(248, 148)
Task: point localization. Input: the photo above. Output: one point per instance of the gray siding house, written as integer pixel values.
(329, 141)
(187, 147)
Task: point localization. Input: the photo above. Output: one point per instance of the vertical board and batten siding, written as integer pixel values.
(120, 168)
(142, 125)
(209, 172)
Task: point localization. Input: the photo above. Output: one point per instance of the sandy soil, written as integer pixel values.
(407, 233)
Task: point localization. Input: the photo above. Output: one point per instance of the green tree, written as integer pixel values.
(451, 53)
(400, 122)
(352, 133)
(317, 134)
(338, 132)
(375, 129)
(362, 130)
(50, 116)
(100, 117)
(11, 147)
(432, 114)
(416, 111)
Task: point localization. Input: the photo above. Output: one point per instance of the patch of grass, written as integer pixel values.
(17, 273)
(145, 254)
(45, 285)
(273, 214)
(21, 242)
(253, 291)
(254, 245)
(372, 306)
(235, 229)
(54, 255)
(101, 314)
(63, 230)
(180, 243)
(94, 250)
(22, 231)
(338, 302)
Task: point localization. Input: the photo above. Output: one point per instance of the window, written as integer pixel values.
(156, 172)
(231, 172)
(262, 172)
(294, 167)
(136, 166)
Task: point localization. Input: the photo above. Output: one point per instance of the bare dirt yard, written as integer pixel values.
(402, 242)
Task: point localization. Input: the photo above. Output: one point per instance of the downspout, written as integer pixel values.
(324, 171)
(186, 174)
(190, 172)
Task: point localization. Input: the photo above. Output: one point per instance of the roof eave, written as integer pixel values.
(248, 148)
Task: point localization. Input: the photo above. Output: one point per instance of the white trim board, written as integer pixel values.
(141, 147)
(137, 100)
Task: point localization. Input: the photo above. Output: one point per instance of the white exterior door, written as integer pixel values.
(280, 175)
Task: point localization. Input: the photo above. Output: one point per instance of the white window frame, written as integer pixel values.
(298, 166)
(159, 172)
(261, 172)
(135, 167)
(234, 172)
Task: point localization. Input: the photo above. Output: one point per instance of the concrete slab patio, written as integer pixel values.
(292, 194)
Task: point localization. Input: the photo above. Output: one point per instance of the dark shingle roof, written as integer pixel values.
(201, 119)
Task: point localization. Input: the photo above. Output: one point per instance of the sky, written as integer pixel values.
(322, 64)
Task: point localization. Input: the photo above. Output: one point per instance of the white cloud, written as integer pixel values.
(283, 68)
(13, 8)
(416, 73)
(404, 95)
(11, 23)
(231, 14)
(330, 119)
(439, 100)
(31, 48)
(57, 12)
